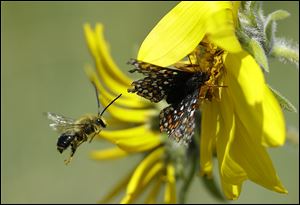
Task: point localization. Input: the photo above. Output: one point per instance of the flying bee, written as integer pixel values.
(74, 132)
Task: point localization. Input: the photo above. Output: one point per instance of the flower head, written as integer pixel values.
(132, 128)
(240, 115)
(129, 110)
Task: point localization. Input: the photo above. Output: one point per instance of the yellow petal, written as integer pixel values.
(116, 190)
(90, 39)
(108, 154)
(109, 81)
(126, 199)
(146, 180)
(108, 61)
(125, 100)
(170, 190)
(254, 159)
(246, 80)
(145, 171)
(240, 155)
(143, 143)
(221, 30)
(246, 87)
(109, 73)
(235, 10)
(98, 46)
(273, 121)
(128, 115)
(181, 30)
(151, 198)
(208, 137)
(133, 132)
(176, 35)
(254, 104)
(230, 171)
(232, 192)
(93, 44)
(152, 173)
(114, 123)
(142, 170)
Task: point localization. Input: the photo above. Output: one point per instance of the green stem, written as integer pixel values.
(213, 189)
(187, 182)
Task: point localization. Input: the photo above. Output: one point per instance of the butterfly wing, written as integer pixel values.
(181, 91)
(178, 120)
(157, 83)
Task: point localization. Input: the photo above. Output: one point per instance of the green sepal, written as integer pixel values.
(277, 15)
(285, 51)
(284, 103)
(270, 25)
(259, 54)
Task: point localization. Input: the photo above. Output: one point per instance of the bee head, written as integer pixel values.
(100, 122)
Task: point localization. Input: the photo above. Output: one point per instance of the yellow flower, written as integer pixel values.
(152, 169)
(245, 118)
(129, 128)
(110, 81)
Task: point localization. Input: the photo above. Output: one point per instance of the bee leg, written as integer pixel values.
(73, 149)
(93, 136)
(67, 161)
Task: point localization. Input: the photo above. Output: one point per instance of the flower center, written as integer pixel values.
(208, 58)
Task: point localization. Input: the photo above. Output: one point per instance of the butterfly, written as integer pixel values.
(180, 89)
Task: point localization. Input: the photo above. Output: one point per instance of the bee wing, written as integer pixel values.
(61, 123)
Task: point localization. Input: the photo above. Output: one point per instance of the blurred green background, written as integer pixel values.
(43, 53)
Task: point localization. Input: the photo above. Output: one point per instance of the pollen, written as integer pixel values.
(209, 59)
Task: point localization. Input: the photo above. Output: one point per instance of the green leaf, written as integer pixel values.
(284, 50)
(254, 6)
(278, 15)
(284, 103)
(270, 24)
(269, 32)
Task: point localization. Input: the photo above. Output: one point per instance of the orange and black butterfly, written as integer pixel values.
(180, 89)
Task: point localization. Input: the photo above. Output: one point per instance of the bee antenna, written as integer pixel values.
(110, 104)
(97, 96)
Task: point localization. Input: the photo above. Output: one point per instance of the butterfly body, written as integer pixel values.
(184, 84)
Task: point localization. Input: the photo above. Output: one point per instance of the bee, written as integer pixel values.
(74, 132)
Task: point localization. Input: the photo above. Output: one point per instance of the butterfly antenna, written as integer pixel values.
(110, 104)
(191, 62)
(190, 59)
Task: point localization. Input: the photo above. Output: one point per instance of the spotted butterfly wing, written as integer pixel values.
(178, 120)
(160, 83)
(157, 83)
